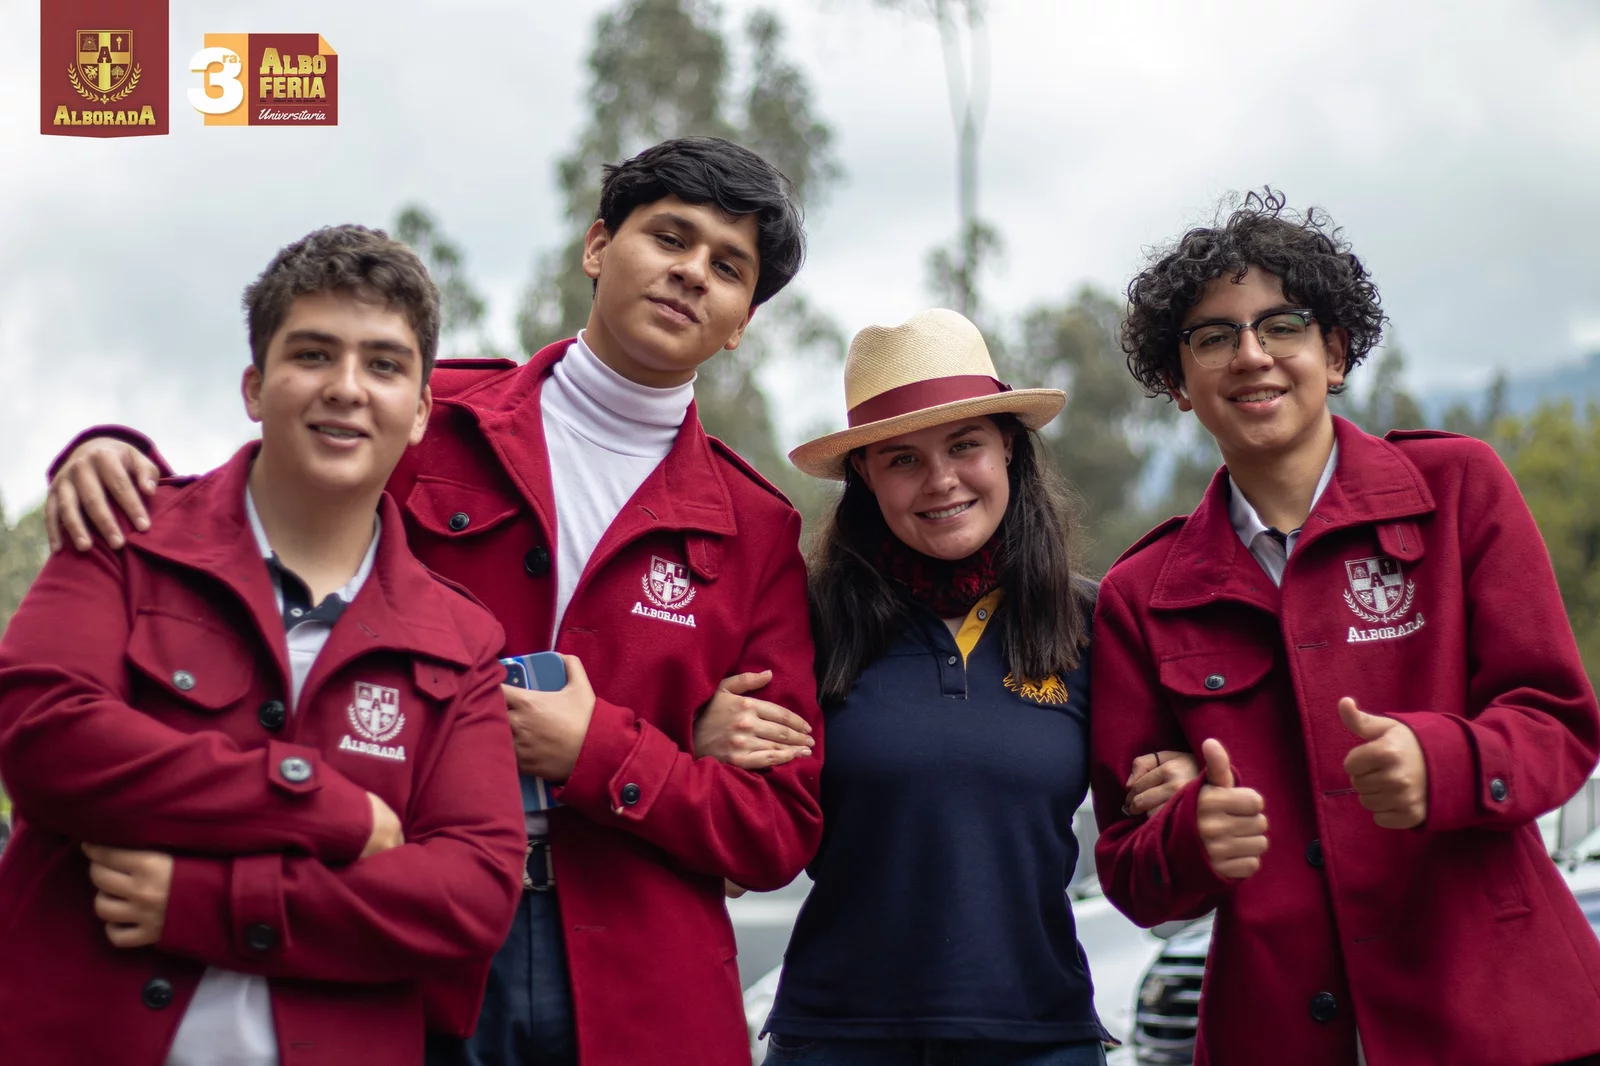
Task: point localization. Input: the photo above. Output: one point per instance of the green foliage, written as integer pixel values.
(463, 308)
(23, 550)
(661, 69)
(1385, 404)
(1555, 457)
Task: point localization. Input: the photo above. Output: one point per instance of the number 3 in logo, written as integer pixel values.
(226, 80)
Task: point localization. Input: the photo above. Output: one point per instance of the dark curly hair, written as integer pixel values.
(367, 263)
(1306, 252)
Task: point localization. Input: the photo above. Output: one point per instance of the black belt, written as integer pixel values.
(538, 872)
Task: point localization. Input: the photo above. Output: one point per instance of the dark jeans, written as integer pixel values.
(831, 1051)
(527, 1008)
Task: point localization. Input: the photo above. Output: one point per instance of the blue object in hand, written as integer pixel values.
(542, 671)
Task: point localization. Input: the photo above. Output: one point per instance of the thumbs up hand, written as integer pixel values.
(1232, 825)
(1388, 772)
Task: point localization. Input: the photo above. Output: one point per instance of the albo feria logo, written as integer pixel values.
(266, 79)
(103, 68)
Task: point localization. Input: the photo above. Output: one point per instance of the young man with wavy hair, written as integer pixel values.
(1364, 640)
(579, 497)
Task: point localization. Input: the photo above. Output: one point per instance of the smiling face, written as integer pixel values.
(942, 490)
(674, 286)
(1260, 409)
(339, 395)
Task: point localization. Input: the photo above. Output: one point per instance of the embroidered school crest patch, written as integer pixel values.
(375, 714)
(1379, 592)
(667, 584)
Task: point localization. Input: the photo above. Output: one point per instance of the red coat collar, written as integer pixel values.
(1374, 483)
(685, 492)
(203, 526)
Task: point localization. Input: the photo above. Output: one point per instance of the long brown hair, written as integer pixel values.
(856, 612)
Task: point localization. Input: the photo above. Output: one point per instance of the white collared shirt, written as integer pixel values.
(1258, 537)
(229, 1020)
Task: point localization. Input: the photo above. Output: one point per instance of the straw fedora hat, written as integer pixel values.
(933, 368)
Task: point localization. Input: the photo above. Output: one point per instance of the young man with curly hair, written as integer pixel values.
(579, 497)
(1364, 639)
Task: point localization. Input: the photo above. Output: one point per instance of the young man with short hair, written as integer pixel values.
(1365, 640)
(264, 791)
(579, 497)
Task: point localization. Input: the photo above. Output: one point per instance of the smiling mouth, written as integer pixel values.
(681, 310)
(946, 512)
(338, 432)
(1258, 396)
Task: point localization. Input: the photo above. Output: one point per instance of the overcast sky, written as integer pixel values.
(1458, 143)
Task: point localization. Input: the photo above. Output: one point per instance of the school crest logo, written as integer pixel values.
(1380, 593)
(105, 71)
(375, 714)
(667, 584)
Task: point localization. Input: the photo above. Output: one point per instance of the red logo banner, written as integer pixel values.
(103, 68)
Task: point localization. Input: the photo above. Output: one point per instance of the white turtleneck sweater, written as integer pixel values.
(604, 435)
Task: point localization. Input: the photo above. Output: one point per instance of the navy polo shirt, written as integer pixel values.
(940, 908)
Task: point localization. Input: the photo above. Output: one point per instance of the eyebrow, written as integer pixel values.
(316, 336)
(683, 222)
(889, 449)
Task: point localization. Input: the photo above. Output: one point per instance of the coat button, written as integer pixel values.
(259, 936)
(1215, 681)
(156, 993)
(1314, 853)
(630, 794)
(272, 715)
(183, 680)
(1324, 1008)
(295, 770)
(1498, 789)
(537, 561)
(460, 520)
(951, 660)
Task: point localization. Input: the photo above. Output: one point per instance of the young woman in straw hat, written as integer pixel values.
(952, 638)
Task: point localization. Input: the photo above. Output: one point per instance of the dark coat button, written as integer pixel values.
(259, 936)
(1314, 853)
(460, 520)
(630, 794)
(183, 681)
(1215, 681)
(1498, 789)
(295, 770)
(156, 993)
(537, 561)
(272, 715)
(1324, 1008)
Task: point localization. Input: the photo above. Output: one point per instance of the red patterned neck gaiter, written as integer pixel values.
(946, 587)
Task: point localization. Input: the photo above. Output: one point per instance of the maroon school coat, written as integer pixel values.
(1420, 587)
(699, 577)
(142, 702)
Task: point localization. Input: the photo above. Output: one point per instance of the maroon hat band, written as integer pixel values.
(921, 395)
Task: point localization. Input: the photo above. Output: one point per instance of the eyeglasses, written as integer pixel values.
(1281, 334)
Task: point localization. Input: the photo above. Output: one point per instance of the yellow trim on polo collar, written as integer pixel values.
(976, 622)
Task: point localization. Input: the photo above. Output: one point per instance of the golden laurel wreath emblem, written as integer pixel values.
(103, 98)
(1049, 691)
